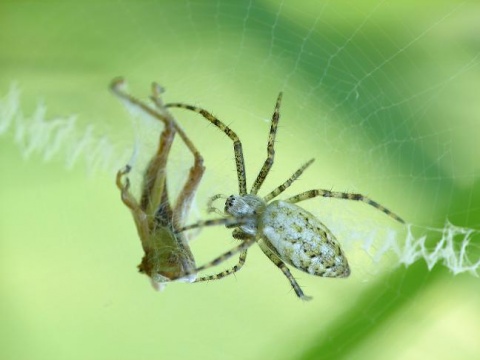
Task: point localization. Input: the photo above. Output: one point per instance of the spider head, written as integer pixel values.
(249, 207)
(166, 260)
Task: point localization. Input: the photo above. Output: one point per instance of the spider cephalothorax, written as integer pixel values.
(248, 207)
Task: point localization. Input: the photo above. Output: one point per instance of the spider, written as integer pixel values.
(285, 232)
(167, 253)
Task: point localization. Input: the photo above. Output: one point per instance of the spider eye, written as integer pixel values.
(229, 202)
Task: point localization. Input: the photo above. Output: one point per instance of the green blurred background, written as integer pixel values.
(384, 94)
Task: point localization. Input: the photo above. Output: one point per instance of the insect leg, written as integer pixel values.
(140, 218)
(154, 180)
(186, 195)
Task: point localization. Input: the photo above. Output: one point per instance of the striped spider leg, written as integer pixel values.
(285, 232)
(167, 252)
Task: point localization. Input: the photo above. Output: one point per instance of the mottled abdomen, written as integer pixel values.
(302, 241)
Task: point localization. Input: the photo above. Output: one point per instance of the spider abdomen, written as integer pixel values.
(303, 241)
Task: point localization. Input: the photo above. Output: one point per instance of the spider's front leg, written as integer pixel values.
(242, 248)
(267, 165)
(234, 269)
(240, 235)
(237, 145)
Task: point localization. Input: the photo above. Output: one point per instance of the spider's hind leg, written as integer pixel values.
(280, 264)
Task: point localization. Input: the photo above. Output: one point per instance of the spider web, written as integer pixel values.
(381, 95)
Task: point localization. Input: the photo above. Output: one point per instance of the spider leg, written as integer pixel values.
(240, 235)
(228, 222)
(185, 198)
(289, 182)
(267, 165)
(140, 218)
(237, 145)
(234, 269)
(238, 249)
(346, 196)
(281, 265)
